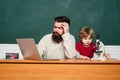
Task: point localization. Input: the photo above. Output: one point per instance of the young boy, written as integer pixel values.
(86, 47)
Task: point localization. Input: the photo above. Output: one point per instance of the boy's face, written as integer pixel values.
(87, 41)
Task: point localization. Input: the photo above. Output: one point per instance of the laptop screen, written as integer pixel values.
(28, 48)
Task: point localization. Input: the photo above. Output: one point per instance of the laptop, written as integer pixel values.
(28, 48)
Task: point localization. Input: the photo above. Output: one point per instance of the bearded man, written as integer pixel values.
(60, 44)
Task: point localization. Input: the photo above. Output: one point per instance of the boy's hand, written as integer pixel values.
(84, 57)
(107, 55)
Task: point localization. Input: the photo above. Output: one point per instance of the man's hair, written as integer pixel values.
(85, 31)
(62, 19)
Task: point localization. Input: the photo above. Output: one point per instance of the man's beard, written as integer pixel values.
(56, 37)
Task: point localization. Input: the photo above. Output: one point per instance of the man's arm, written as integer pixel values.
(69, 44)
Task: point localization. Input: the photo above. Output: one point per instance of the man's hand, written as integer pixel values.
(65, 27)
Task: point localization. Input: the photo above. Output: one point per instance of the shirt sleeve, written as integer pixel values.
(41, 47)
(69, 44)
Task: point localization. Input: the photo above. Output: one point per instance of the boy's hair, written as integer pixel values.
(85, 31)
(62, 19)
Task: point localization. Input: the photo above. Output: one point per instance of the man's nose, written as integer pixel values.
(56, 29)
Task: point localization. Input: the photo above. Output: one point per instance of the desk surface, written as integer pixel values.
(78, 61)
(59, 70)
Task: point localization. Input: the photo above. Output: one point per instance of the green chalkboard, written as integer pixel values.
(34, 18)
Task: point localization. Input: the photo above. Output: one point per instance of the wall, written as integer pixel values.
(34, 18)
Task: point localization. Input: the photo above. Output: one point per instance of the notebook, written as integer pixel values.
(28, 48)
